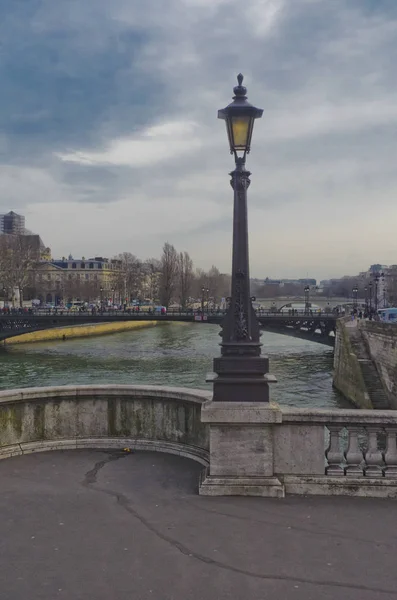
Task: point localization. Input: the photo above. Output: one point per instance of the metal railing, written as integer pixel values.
(170, 312)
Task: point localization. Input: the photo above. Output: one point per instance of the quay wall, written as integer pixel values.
(381, 339)
(347, 376)
(77, 331)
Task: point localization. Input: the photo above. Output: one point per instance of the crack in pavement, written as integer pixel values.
(122, 500)
(321, 532)
(91, 476)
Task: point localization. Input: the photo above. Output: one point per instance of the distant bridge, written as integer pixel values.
(317, 327)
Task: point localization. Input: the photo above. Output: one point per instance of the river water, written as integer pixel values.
(177, 354)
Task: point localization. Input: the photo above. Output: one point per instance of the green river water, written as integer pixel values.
(177, 354)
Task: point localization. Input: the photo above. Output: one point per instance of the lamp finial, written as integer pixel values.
(240, 91)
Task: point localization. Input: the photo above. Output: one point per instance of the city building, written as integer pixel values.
(69, 279)
(12, 223)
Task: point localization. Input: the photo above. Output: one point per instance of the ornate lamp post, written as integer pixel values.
(241, 372)
(307, 299)
(113, 290)
(101, 292)
(366, 298)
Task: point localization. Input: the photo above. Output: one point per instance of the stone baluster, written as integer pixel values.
(334, 453)
(391, 452)
(353, 455)
(373, 456)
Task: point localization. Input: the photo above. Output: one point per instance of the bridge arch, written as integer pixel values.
(164, 419)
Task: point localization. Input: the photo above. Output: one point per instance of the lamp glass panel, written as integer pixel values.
(240, 130)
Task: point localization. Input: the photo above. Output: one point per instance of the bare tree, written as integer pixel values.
(169, 271)
(18, 257)
(127, 281)
(218, 284)
(185, 277)
(214, 279)
(153, 270)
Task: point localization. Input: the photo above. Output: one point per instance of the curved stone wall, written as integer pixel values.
(107, 416)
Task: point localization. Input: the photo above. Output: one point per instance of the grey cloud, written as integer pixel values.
(75, 78)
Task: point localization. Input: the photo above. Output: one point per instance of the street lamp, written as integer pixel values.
(366, 298)
(377, 277)
(355, 297)
(370, 297)
(113, 290)
(101, 291)
(307, 299)
(205, 295)
(241, 371)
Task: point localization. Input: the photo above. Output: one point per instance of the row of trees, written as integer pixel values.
(170, 279)
(343, 288)
(335, 288)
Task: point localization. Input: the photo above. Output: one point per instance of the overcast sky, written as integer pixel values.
(109, 138)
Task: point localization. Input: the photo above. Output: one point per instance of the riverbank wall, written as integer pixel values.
(78, 331)
(365, 363)
(348, 377)
(381, 340)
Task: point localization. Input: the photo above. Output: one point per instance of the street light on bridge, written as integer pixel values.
(377, 277)
(307, 299)
(241, 371)
(355, 297)
(370, 297)
(204, 292)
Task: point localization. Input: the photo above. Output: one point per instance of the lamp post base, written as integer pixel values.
(241, 449)
(265, 487)
(241, 379)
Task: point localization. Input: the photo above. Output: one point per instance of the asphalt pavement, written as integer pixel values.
(94, 525)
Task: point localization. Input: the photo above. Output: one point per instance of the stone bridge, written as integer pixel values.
(318, 327)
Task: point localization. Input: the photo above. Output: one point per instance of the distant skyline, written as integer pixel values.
(261, 277)
(109, 140)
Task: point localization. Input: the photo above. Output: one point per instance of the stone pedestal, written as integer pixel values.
(241, 449)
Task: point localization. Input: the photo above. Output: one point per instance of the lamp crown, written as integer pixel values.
(240, 91)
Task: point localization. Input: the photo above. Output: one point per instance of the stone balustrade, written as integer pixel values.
(257, 449)
(300, 451)
(357, 443)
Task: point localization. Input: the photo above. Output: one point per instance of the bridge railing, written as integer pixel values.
(170, 312)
